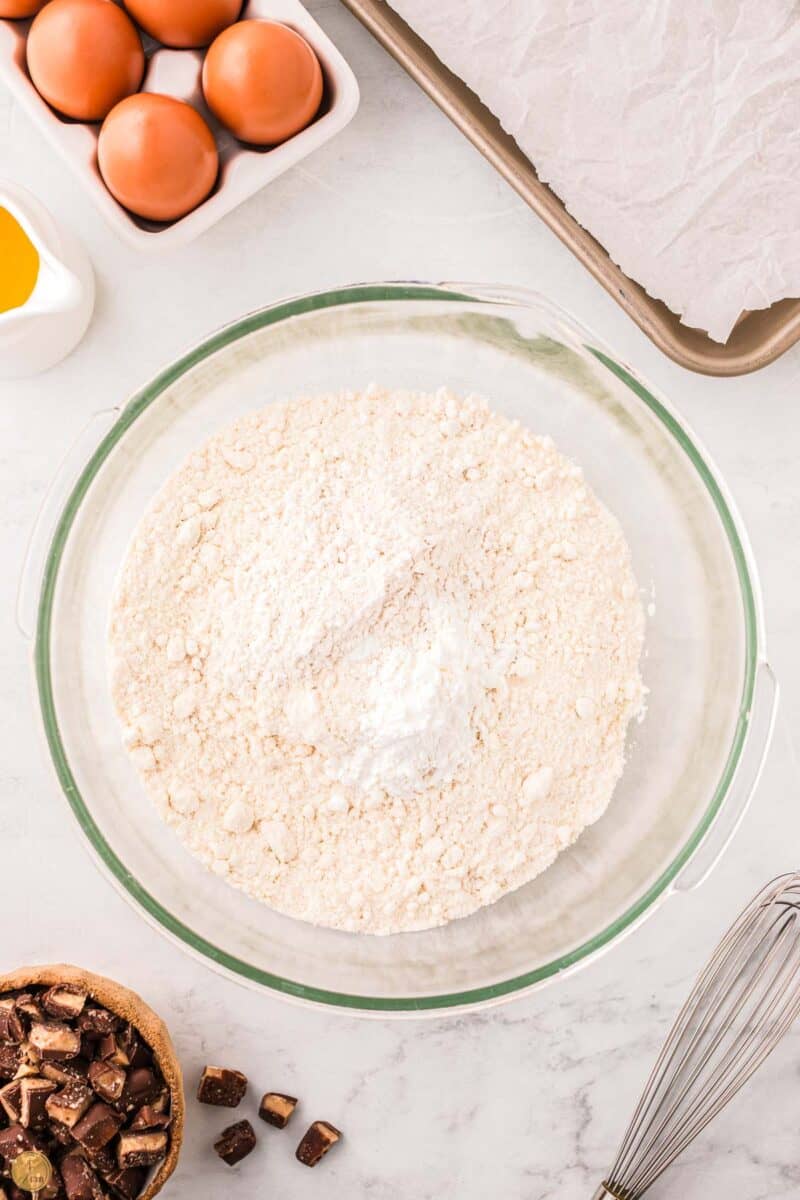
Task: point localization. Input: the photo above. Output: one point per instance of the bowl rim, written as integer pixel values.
(194, 942)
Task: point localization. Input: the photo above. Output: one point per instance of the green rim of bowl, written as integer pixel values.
(151, 907)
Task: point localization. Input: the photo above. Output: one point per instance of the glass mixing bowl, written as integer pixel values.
(692, 764)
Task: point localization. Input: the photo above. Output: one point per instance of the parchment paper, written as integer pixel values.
(669, 128)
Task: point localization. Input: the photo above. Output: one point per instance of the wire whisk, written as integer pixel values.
(741, 1006)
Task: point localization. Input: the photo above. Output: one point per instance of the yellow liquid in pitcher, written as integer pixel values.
(19, 263)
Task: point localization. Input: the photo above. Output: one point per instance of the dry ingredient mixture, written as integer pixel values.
(375, 655)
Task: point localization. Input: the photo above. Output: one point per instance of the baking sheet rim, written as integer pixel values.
(759, 337)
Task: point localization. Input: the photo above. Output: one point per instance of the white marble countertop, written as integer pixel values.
(528, 1100)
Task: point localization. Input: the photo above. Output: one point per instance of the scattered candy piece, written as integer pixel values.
(276, 1109)
(221, 1086)
(235, 1142)
(316, 1143)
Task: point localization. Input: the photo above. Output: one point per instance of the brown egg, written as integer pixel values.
(84, 56)
(263, 81)
(20, 8)
(183, 23)
(157, 156)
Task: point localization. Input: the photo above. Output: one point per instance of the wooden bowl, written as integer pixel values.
(126, 1004)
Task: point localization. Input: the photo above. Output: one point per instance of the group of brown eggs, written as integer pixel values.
(156, 154)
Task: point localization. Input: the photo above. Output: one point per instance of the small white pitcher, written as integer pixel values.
(53, 320)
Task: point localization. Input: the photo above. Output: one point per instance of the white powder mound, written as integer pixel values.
(375, 655)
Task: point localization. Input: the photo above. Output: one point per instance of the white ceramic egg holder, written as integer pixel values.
(244, 170)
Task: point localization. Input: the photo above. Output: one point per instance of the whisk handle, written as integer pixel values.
(603, 1193)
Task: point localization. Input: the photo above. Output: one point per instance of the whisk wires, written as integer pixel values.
(741, 1006)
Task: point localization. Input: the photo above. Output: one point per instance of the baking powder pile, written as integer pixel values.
(375, 655)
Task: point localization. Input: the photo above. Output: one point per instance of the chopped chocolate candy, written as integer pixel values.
(130, 1045)
(221, 1086)
(316, 1143)
(78, 1083)
(141, 1149)
(80, 1181)
(29, 1006)
(13, 1141)
(33, 1098)
(150, 1118)
(11, 1027)
(98, 1020)
(97, 1126)
(30, 1062)
(235, 1142)
(141, 1087)
(161, 1102)
(276, 1109)
(141, 1056)
(103, 1160)
(110, 1050)
(61, 1134)
(73, 1071)
(10, 1058)
(89, 1046)
(55, 1041)
(68, 1106)
(107, 1079)
(10, 1099)
(127, 1184)
(65, 1001)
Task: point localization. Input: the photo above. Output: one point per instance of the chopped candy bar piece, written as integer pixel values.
(69, 1105)
(10, 1058)
(141, 1149)
(107, 1079)
(316, 1143)
(10, 1099)
(55, 1041)
(141, 1087)
(73, 1071)
(235, 1142)
(110, 1050)
(29, 1006)
(65, 1001)
(221, 1086)
(127, 1184)
(133, 1047)
(97, 1126)
(276, 1109)
(33, 1097)
(11, 1027)
(103, 1160)
(150, 1118)
(13, 1141)
(98, 1020)
(80, 1181)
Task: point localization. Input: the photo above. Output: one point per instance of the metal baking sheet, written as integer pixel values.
(759, 337)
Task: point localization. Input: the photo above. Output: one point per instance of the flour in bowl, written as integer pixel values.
(375, 655)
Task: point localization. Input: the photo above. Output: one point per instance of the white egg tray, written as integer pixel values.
(244, 170)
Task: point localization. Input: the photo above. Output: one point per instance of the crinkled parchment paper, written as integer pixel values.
(669, 128)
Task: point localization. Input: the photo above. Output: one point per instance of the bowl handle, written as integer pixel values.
(761, 722)
(44, 526)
